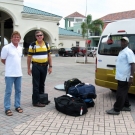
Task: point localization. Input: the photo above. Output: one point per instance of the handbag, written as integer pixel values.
(43, 98)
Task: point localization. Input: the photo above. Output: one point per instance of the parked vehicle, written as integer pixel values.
(65, 52)
(108, 50)
(91, 51)
(78, 51)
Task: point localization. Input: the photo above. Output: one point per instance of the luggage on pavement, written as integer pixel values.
(83, 90)
(70, 105)
(71, 82)
(43, 98)
(89, 102)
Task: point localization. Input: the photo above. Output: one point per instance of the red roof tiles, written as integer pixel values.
(119, 16)
(75, 14)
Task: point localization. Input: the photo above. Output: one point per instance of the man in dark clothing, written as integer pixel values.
(125, 67)
(39, 55)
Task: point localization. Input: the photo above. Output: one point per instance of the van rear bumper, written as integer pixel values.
(112, 85)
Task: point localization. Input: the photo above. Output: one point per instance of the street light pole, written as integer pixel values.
(86, 9)
(86, 37)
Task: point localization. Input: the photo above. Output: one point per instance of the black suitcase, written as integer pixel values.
(43, 98)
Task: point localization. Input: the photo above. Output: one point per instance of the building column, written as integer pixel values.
(66, 23)
(2, 33)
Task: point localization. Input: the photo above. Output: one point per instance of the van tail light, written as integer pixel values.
(96, 65)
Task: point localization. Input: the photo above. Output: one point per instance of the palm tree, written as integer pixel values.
(95, 26)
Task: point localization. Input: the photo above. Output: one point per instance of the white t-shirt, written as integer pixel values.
(13, 56)
(123, 67)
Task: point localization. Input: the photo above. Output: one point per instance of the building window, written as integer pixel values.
(90, 33)
(77, 43)
(79, 31)
(79, 20)
(97, 34)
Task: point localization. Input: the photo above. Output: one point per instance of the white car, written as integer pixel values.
(91, 51)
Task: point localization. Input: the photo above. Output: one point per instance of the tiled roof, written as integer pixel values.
(75, 14)
(65, 32)
(119, 16)
(30, 10)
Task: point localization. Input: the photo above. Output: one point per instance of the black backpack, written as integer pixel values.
(70, 105)
(71, 82)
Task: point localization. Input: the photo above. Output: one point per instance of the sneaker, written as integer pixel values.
(126, 109)
(112, 111)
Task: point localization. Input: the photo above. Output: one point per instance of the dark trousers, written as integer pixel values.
(122, 96)
(38, 79)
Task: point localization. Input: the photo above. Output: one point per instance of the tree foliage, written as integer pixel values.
(94, 26)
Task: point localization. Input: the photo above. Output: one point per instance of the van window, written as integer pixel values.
(113, 49)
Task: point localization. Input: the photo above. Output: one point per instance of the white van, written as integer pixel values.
(108, 51)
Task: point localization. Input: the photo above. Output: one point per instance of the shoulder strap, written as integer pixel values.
(33, 44)
(46, 45)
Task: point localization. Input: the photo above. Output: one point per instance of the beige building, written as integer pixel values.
(15, 16)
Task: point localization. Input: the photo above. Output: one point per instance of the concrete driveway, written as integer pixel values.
(48, 121)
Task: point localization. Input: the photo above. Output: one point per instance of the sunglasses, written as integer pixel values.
(39, 35)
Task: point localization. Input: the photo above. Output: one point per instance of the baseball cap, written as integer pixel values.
(125, 38)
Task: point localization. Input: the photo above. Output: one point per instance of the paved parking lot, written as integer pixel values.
(48, 121)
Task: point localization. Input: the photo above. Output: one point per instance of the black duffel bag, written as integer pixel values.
(70, 105)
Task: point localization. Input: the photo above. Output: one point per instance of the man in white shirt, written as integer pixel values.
(125, 67)
(11, 57)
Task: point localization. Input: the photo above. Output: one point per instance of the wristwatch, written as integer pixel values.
(131, 76)
(50, 66)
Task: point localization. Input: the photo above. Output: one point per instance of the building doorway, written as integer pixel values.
(30, 37)
(6, 28)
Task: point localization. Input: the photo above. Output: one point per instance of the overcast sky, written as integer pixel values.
(97, 8)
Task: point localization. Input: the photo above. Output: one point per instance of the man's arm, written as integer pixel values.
(50, 63)
(132, 69)
(4, 54)
(3, 61)
(49, 59)
(132, 73)
(28, 64)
